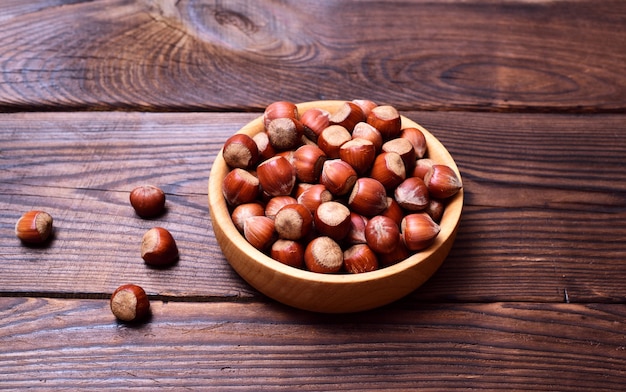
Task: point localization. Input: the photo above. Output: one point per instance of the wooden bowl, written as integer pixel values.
(330, 293)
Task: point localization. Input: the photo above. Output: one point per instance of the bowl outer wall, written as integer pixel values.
(330, 293)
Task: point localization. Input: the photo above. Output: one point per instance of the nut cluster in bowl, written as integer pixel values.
(344, 191)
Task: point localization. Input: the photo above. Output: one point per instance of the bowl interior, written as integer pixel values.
(330, 292)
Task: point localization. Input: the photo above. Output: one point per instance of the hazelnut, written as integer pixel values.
(359, 153)
(435, 209)
(130, 303)
(348, 115)
(147, 200)
(313, 196)
(338, 176)
(417, 139)
(34, 227)
(324, 255)
(262, 141)
(442, 181)
(418, 231)
(244, 211)
(404, 148)
(387, 120)
(288, 155)
(158, 247)
(259, 231)
(308, 161)
(332, 138)
(314, 121)
(366, 105)
(288, 252)
(239, 187)
(364, 130)
(422, 166)
(368, 197)
(389, 169)
(382, 234)
(398, 254)
(279, 109)
(285, 133)
(332, 219)
(277, 176)
(412, 194)
(359, 258)
(356, 235)
(240, 150)
(293, 222)
(274, 204)
(300, 188)
(393, 211)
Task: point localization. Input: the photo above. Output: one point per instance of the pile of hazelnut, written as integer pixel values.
(129, 302)
(349, 191)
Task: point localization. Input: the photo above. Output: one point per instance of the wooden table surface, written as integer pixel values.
(97, 97)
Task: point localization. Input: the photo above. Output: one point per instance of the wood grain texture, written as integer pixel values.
(189, 55)
(222, 346)
(543, 220)
(528, 96)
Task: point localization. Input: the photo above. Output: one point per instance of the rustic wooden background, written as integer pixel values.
(97, 97)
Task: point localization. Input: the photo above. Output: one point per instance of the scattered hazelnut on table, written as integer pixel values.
(130, 303)
(158, 247)
(147, 200)
(34, 227)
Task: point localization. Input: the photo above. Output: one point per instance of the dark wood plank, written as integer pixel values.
(544, 217)
(76, 344)
(186, 55)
